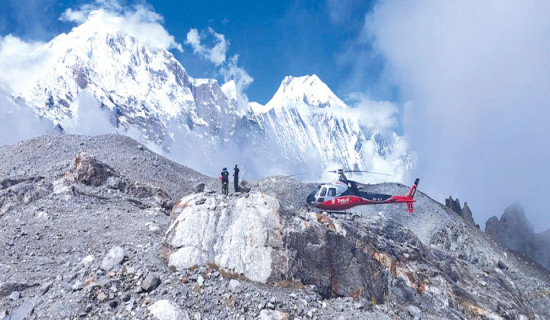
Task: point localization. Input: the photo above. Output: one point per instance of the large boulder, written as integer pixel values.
(243, 235)
(88, 171)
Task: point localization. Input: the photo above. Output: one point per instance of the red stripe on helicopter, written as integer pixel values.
(347, 202)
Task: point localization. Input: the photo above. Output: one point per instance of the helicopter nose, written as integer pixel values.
(310, 199)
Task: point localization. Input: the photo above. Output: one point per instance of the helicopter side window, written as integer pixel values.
(332, 192)
(323, 192)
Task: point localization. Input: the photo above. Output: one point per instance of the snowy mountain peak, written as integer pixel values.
(308, 80)
(308, 90)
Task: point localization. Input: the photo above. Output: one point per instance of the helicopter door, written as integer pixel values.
(331, 194)
(322, 194)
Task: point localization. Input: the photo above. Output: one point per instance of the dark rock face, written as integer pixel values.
(380, 262)
(357, 264)
(513, 231)
(453, 205)
(467, 214)
(464, 212)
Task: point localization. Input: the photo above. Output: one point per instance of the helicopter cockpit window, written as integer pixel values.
(316, 190)
(332, 192)
(323, 192)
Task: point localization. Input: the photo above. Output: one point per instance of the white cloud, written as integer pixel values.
(194, 40)
(228, 67)
(370, 113)
(216, 53)
(81, 14)
(231, 71)
(89, 119)
(77, 16)
(477, 76)
(20, 62)
(139, 21)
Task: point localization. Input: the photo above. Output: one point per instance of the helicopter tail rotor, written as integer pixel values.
(413, 188)
(410, 196)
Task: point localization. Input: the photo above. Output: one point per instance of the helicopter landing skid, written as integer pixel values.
(338, 212)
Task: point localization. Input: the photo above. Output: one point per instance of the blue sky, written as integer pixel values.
(469, 78)
(272, 38)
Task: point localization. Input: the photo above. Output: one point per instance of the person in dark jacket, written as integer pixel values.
(236, 179)
(225, 181)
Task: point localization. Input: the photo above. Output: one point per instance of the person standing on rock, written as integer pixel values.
(225, 181)
(236, 179)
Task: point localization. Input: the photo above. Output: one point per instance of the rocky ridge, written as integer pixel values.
(80, 240)
(464, 212)
(513, 231)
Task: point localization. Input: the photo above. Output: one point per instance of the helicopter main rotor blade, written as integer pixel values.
(303, 173)
(385, 174)
(351, 171)
(336, 171)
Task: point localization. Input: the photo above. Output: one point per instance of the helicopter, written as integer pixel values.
(343, 194)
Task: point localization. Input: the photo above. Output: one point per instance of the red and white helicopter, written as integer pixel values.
(343, 194)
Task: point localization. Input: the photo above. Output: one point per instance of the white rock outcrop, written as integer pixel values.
(242, 234)
(267, 314)
(166, 310)
(114, 257)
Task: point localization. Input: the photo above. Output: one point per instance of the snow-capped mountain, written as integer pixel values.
(312, 125)
(144, 89)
